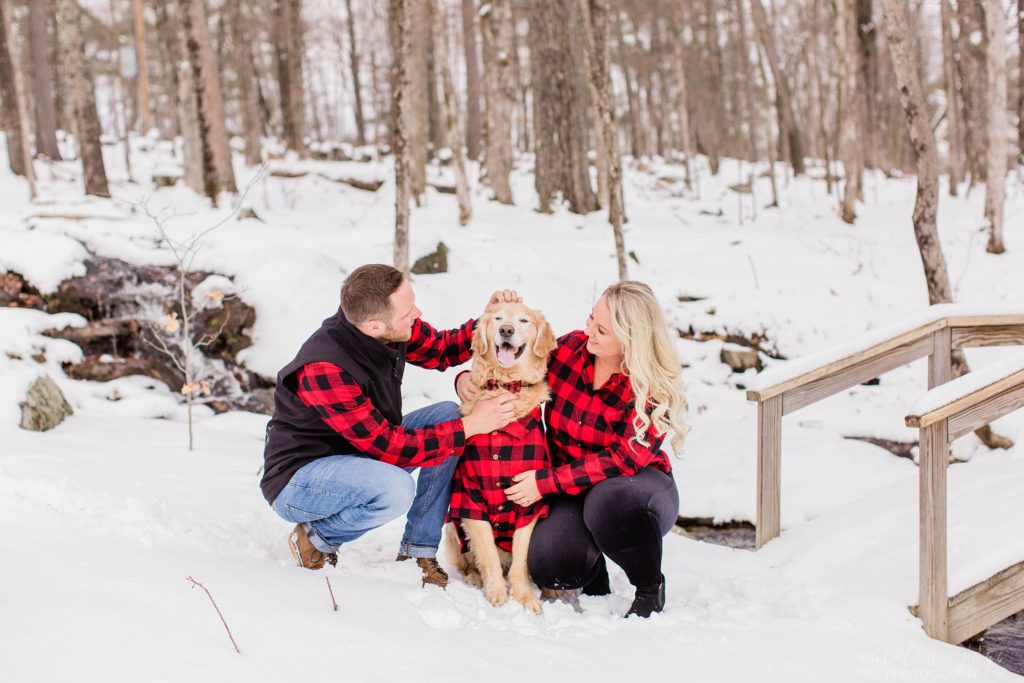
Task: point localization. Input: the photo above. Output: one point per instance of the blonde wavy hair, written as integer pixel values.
(649, 359)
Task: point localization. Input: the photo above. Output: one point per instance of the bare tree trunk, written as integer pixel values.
(398, 20)
(42, 81)
(87, 120)
(788, 131)
(850, 140)
(560, 106)
(472, 79)
(218, 173)
(13, 112)
(682, 95)
(954, 162)
(449, 116)
(417, 103)
(716, 121)
(596, 41)
(926, 205)
(246, 85)
(973, 79)
(288, 48)
(750, 96)
(866, 31)
(499, 97)
(142, 79)
(995, 67)
(632, 108)
(353, 60)
(1020, 80)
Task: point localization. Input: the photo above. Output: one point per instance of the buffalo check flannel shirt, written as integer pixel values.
(488, 463)
(589, 430)
(346, 409)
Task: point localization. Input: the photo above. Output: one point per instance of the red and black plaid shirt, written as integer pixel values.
(589, 430)
(343, 405)
(488, 464)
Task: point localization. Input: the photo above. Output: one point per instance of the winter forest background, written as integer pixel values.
(185, 184)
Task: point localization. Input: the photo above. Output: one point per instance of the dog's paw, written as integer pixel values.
(525, 597)
(552, 594)
(472, 577)
(496, 593)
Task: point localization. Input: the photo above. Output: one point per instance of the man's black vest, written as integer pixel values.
(296, 434)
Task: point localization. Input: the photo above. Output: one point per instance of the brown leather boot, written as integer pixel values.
(432, 572)
(305, 553)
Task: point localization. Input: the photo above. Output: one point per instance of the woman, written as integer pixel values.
(610, 488)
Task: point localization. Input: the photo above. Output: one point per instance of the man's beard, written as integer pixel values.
(392, 336)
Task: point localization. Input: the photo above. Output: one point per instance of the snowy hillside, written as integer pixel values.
(104, 517)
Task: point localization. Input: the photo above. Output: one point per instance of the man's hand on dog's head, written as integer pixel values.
(503, 296)
(490, 414)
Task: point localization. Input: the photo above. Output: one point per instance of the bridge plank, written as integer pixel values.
(975, 609)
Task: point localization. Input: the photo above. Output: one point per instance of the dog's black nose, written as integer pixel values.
(506, 330)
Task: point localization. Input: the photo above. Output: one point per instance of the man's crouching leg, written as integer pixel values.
(430, 506)
(337, 499)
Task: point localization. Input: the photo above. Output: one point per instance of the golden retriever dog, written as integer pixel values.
(488, 534)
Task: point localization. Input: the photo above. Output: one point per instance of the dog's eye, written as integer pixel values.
(524, 321)
(498, 317)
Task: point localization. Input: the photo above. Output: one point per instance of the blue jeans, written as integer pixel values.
(338, 498)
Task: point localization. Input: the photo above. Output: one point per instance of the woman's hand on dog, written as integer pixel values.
(524, 492)
(464, 387)
(490, 414)
(503, 296)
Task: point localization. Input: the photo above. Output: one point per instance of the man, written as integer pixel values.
(338, 449)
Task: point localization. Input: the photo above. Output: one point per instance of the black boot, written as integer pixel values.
(600, 584)
(649, 599)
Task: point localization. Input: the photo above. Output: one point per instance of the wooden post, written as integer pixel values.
(769, 483)
(940, 366)
(933, 590)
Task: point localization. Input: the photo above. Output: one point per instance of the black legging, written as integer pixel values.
(625, 518)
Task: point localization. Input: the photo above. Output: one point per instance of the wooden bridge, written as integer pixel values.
(950, 409)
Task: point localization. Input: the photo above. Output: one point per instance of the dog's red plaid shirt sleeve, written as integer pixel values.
(340, 400)
(590, 432)
(439, 349)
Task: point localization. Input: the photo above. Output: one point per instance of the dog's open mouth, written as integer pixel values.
(508, 354)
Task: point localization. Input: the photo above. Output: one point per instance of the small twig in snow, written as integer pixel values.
(757, 285)
(223, 621)
(331, 590)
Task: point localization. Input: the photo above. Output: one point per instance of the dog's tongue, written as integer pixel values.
(506, 356)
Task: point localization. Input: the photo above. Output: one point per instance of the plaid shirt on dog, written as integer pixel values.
(345, 407)
(487, 466)
(589, 430)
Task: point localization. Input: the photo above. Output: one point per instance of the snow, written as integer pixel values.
(954, 390)
(105, 516)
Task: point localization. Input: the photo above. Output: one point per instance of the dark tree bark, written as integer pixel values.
(253, 128)
(560, 104)
(973, 80)
(353, 60)
(288, 49)
(42, 81)
(473, 79)
(499, 96)
(83, 97)
(13, 112)
(955, 163)
(398, 22)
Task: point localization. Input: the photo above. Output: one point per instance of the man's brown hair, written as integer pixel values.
(366, 292)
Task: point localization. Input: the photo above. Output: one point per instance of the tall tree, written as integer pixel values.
(850, 139)
(560, 105)
(682, 88)
(83, 98)
(42, 80)
(218, 173)
(417, 102)
(789, 132)
(142, 79)
(247, 84)
(449, 115)
(469, 15)
(353, 61)
(926, 157)
(398, 23)
(597, 37)
(954, 159)
(288, 45)
(971, 48)
(13, 108)
(1020, 80)
(496, 29)
(995, 67)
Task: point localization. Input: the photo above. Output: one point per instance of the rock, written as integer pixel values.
(165, 179)
(102, 369)
(740, 358)
(430, 264)
(15, 292)
(248, 212)
(45, 406)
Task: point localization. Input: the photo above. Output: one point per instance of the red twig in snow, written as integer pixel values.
(219, 614)
(333, 601)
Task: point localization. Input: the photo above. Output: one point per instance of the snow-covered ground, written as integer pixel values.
(105, 516)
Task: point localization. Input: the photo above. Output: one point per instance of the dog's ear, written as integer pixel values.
(545, 340)
(481, 335)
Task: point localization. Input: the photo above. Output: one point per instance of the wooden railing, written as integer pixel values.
(943, 415)
(934, 333)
